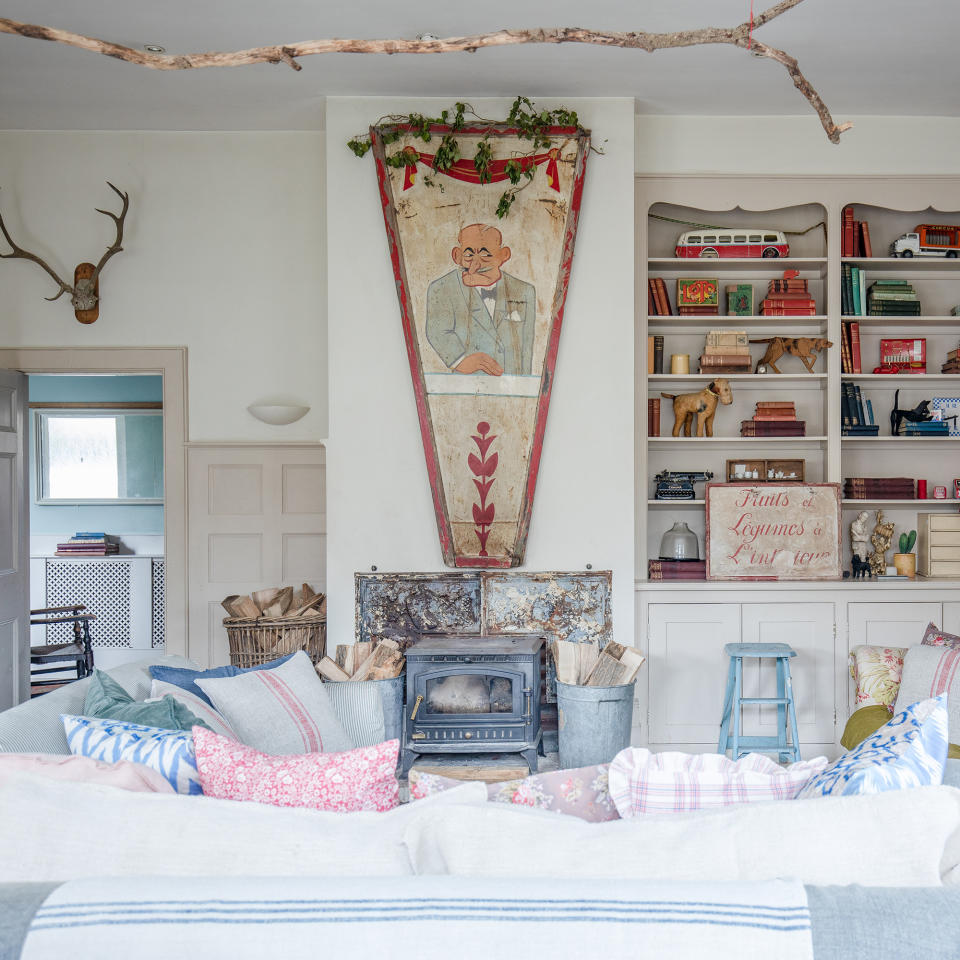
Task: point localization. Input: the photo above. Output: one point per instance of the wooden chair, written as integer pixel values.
(78, 652)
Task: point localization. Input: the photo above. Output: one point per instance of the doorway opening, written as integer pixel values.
(128, 406)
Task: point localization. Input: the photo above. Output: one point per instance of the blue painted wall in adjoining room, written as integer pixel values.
(121, 518)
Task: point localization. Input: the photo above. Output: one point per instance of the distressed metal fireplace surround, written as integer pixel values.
(473, 694)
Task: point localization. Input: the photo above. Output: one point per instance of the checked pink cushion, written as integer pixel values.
(361, 779)
(643, 782)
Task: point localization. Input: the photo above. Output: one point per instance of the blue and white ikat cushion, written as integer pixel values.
(908, 751)
(169, 752)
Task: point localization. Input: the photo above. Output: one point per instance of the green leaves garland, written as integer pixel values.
(529, 123)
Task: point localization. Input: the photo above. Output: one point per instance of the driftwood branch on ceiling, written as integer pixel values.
(740, 36)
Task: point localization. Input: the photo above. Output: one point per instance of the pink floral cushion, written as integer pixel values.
(361, 779)
(580, 792)
(935, 637)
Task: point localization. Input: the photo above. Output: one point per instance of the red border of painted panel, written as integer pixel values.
(413, 348)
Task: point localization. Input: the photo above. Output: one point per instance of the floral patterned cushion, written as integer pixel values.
(935, 637)
(877, 672)
(360, 779)
(908, 751)
(581, 792)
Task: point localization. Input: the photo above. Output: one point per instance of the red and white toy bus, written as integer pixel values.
(737, 242)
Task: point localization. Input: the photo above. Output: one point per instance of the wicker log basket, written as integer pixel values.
(273, 623)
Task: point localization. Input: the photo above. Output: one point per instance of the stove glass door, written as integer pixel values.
(469, 693)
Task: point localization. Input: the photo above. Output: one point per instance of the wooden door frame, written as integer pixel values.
(171, 364)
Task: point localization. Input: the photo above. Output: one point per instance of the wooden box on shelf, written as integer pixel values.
(938, 545)
(783, 471)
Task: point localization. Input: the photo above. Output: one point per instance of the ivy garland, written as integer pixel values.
(529, 123)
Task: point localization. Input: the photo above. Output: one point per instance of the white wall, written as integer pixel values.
(380, 507)
(781, 145)
(223, 252)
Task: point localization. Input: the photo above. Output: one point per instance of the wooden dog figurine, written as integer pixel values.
(702, 405)
(806, 348)
(919, 414)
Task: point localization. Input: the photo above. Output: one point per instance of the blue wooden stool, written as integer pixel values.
(734, 699)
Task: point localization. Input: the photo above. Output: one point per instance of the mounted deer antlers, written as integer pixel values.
(84, 294)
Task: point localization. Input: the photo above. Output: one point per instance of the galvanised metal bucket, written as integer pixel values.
(594, 723)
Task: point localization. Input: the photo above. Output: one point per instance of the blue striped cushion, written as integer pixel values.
(169, 752)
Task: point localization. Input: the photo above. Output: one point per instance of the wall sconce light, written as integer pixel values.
(277, 414)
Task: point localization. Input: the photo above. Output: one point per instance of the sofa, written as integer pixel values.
(88, 870)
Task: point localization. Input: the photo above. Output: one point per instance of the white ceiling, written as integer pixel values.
(865, 57)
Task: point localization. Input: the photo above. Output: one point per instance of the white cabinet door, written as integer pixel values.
(951, 617)
(809, 629)
(891, 624)
(688, 669)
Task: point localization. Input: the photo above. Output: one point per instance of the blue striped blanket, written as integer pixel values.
(429, 918)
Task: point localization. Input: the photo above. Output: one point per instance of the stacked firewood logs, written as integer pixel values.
(364, 660)
(275, 602)
(585, 664)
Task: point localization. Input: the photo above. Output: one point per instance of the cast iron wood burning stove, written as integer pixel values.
(473, 694)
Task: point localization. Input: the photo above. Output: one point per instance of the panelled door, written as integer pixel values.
(14, 539)
(688, 671)
(809, 629)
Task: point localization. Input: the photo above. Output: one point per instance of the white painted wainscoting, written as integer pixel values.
(257, 518)
(683, 628)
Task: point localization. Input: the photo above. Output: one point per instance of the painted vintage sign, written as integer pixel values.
(481, 303)
(772, 531)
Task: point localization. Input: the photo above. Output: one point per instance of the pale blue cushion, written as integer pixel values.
(909, 751)
(169, 752)
(185, 678)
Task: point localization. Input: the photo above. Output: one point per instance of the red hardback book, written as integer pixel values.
(662, 308)
(855, 347)
(846, 366)
(857, 245)
(651, 301)
(865, 232)
(664, 296)
(774, 417)
(788, 311)
(775, 404)
(846, 243)
(726, 360)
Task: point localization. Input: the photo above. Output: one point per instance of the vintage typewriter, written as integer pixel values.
(678, 484)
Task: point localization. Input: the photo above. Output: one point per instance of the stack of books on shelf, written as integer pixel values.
(658, 301)
(788, 297)
(856, 413)
(774, 418)
(892, 298)
(653, 417)
(726, 351)
(926, 428)
(878, 488)
(854, 236)
(850, 360)
(654, 354)
(88, 545)
(853, 291)
(677, 569)
(952, 363)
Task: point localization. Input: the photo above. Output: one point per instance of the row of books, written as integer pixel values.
(653, 417)
(856, 413)
(878, 488)
(925, 428)
(788, 296)
(952, 363)
(892, 298)
(853, 291)
(89, 544)
(677, 569)
(658, 300)
(850, 361)
(854, 236)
